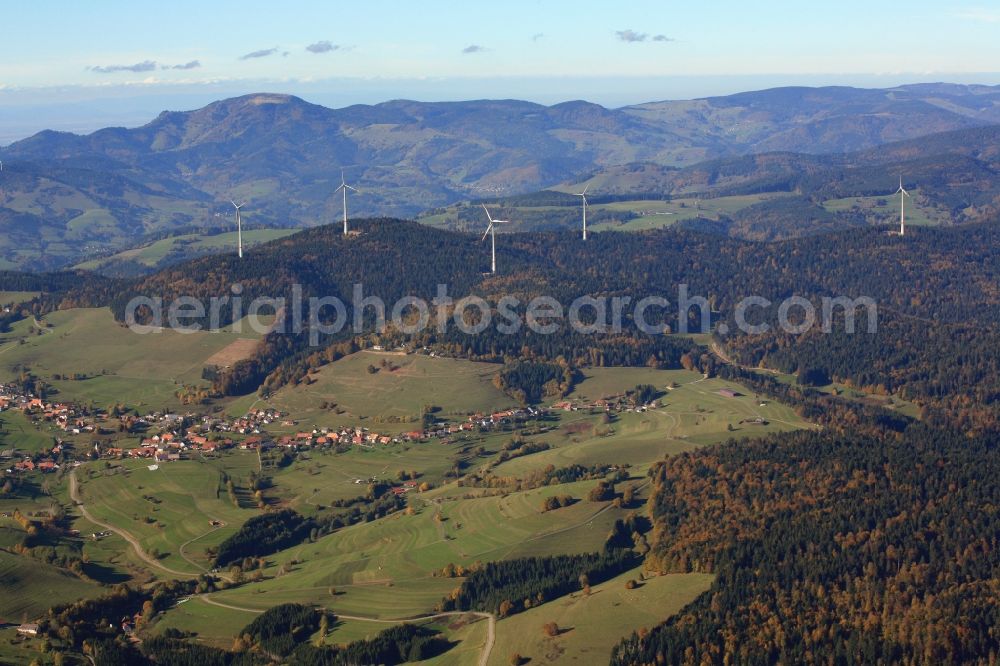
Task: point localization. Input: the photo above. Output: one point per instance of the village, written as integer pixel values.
(166, 437)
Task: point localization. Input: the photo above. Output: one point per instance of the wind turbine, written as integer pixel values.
(903, 195)
(344, 186)
(491, 231)
(239, 227)
(583, 196)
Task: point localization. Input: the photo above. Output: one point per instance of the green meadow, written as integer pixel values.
(384, 569)
(657, 214)
(590, 625)
(169, 509)
(691, 414)
(887, 208)
(29, 587)
(186, 245)
(9, 297)
(389, 569)
(19, 433)
(393, 398)
(652, 214)
(118, 364)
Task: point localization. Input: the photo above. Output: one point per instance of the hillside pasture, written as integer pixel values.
(886, 209)
(184, 246)
(14, 297)
(29, 587)
(119, 365)
(320, 477)
(168, 510)
(19, 433)
(393, 398)
(658, 214)
(590, 625)
(692, 414)
(384, 568)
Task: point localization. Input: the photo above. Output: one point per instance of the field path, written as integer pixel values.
(180, 549)
(491, 633)
(74, 494)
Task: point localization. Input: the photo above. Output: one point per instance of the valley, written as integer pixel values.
(741, 420)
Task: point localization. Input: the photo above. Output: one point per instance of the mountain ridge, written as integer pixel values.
(283, 155)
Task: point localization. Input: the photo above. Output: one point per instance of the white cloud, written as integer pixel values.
(981, 15)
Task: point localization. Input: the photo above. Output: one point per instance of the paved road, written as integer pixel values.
(491, 628)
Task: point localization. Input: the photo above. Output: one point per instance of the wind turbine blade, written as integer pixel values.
(488, 214)
(487, 232)
(349, 187)
(585, 190)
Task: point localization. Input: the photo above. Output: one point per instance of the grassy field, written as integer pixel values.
(658, 214)
(19, 433)
(9, 297)
(384, 568)
(652, 214)
(692, 414)
(887, 208)
(120, 365)
(215, 625)
(169, 510)
(320, 477)
(29, 587)
(591, 625)
(186, 245)
(392, 400)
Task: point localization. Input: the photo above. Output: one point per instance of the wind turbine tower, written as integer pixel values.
(239, 228)
(491, 231)
(344, 187)
(903, 196)
(583, 197)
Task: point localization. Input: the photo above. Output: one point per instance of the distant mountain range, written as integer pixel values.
(64, 196)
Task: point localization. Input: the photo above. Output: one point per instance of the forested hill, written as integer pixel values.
(937, 291)
(65, 198)
(830, 549)
(944, 274)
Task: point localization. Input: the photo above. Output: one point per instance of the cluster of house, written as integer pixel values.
(42, 463)
(176, 441)
(360, 436)
(179, 436)
(167, 446)
(68, 417)
(615, 404)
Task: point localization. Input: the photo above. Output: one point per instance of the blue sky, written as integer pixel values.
(114, 59)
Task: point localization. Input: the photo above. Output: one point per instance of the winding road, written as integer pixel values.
(491, 633)
(74, 494)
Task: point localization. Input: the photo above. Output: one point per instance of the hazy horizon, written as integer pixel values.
(85, 109)
(134, 64)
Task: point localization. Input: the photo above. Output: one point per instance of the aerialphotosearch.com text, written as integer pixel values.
(322, 316)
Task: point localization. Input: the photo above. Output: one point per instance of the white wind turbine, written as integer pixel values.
(903, 196)
(583, 197)
(239, 228)
(491, 231)
(344, 187)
